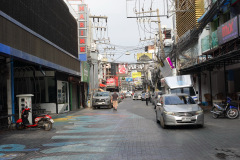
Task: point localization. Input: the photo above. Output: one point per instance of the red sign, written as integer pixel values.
(122, 69)
(116, 80)
(111, 82)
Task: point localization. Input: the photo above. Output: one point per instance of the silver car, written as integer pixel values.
(137, 96)
(178, 109)
(101, 99)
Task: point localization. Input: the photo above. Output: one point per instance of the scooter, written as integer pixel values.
(44, 121)
(230, 110)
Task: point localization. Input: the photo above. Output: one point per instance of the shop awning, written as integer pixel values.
(230, 58)
(102, 85)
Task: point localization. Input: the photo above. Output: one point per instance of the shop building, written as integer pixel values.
(215, 65)
(38, 57)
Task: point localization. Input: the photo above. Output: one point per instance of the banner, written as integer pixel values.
(144, 57)
(136, 74)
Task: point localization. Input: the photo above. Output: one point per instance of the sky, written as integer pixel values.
(122, 31)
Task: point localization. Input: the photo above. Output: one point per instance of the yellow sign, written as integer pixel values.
(136, 74)
(144, 56)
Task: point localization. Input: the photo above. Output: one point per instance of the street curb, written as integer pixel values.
(61, 115)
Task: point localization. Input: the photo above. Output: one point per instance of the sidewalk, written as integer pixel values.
(61, 115)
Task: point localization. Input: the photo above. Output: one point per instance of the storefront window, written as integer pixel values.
(62, 92)
(48, 89)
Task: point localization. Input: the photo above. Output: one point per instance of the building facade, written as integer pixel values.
(210, 52)
(38, 57)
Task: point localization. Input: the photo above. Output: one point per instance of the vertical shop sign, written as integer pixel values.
(85, 72)
(82, 31)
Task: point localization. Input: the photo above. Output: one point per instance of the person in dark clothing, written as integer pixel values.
(114, 99)
(147, 97)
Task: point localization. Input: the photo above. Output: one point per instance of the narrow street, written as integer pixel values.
(130, 133)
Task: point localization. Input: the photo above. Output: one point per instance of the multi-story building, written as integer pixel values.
(210, 51)
(38, 56)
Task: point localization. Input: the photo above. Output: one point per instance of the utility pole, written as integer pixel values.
(162, 54)
(105, 69)
(101, 28)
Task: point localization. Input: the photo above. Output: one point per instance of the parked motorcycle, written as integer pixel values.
(229, 109)
(44, 121)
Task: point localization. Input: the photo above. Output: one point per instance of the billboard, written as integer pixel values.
(144, 57)
(136, 74)
(228, 31)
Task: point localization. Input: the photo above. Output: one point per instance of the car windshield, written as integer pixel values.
(98, 94)
(187, 90)
(178, 100)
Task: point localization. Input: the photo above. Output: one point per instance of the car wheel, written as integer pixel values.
(157, 118)
(110, 106)
(162, 123)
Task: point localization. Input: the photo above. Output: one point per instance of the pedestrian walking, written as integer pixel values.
(147, 97)
(114, 99)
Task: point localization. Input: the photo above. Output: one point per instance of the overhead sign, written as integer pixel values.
(136, 74)
(228, 31)
(144, 57)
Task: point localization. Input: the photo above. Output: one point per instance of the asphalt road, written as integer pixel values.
(130, 133)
